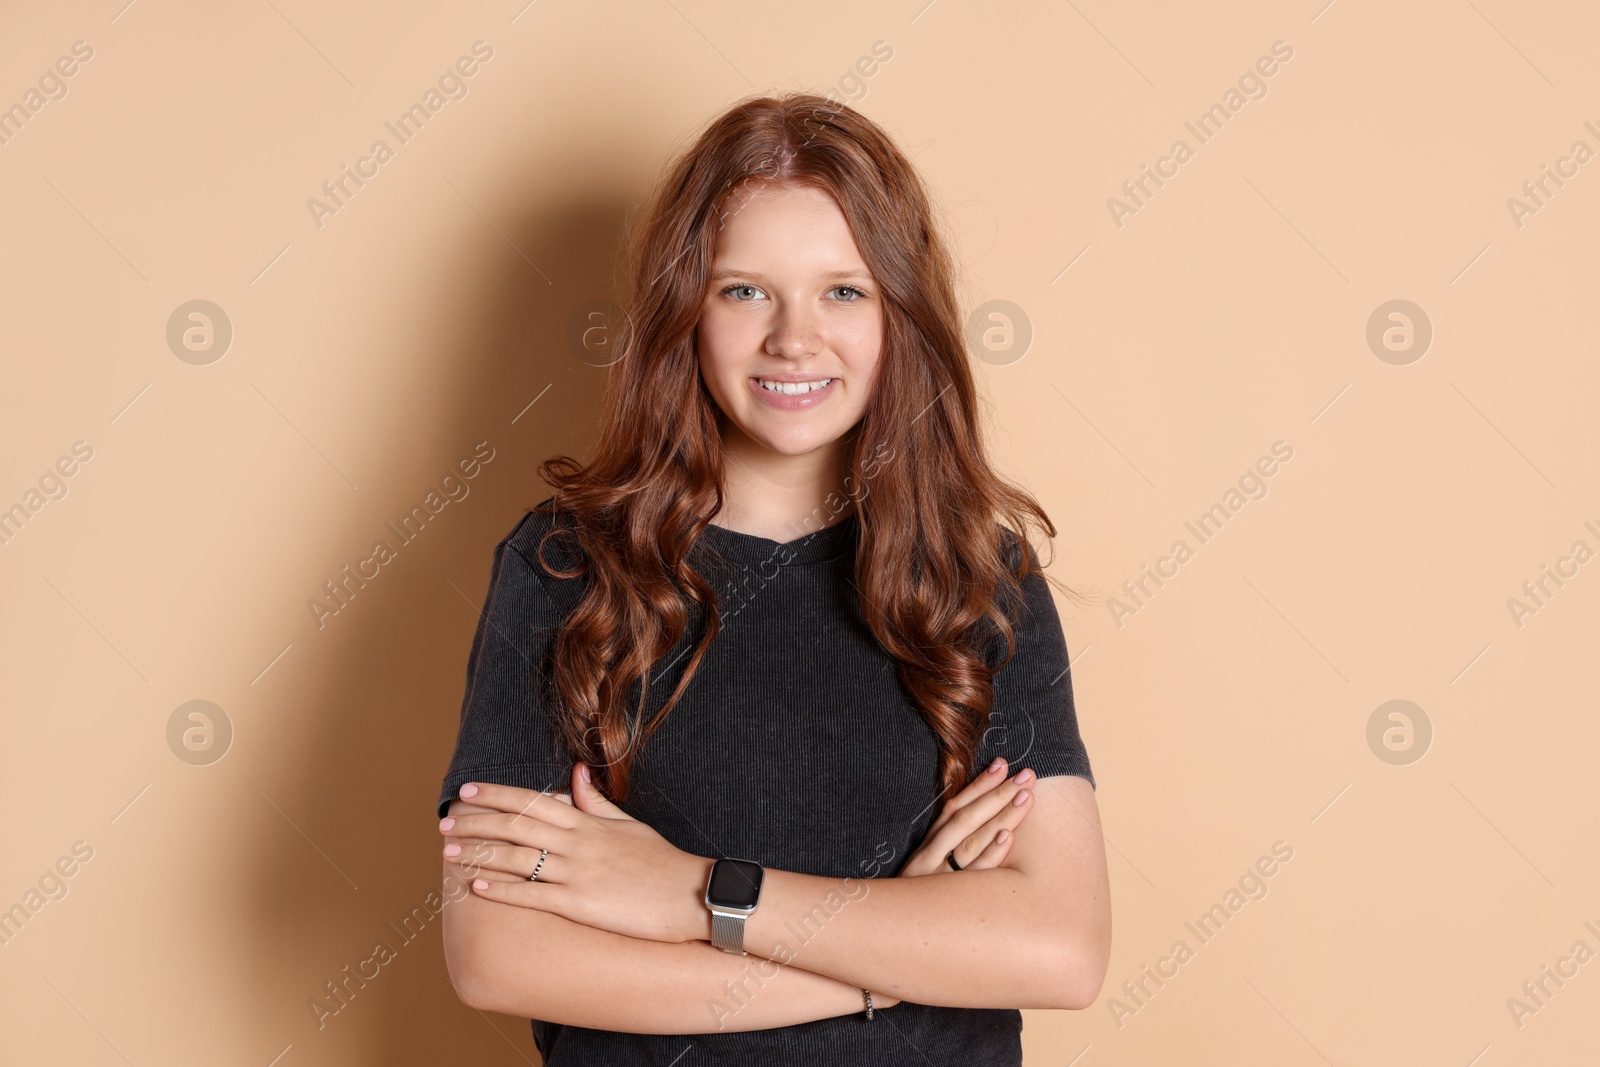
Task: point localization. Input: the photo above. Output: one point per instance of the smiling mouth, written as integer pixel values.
(793, 388)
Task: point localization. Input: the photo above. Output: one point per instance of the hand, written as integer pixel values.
(976, 823)
(971, 824)
(604, 869)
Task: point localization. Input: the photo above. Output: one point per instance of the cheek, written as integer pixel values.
(720, 341)
(720, 349)
(858, 345)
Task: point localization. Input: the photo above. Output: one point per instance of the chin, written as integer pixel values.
(796, 446)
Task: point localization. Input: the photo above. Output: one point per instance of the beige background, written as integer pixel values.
(372, 353)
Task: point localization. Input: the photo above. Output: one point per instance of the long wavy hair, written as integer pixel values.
(934, 563)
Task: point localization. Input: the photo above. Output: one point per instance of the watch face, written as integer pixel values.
(734, 884)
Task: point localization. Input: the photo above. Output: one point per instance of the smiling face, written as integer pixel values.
(789, 306)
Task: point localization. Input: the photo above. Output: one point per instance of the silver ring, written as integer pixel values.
(534, 877)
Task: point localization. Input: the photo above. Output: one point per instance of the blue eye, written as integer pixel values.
(737, 291)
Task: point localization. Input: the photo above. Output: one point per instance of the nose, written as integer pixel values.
(794, 334)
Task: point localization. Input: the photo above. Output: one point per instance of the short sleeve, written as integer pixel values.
(504, 735)
(1034, 722)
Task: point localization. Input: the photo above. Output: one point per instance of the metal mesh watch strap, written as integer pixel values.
(727, 932)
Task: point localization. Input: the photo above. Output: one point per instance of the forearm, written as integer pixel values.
(980, 939)
(534, 964)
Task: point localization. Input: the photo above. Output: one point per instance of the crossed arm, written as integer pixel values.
(1034, 932)
(539, 965)
(1031, 932)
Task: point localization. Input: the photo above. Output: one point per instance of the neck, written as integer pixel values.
(778, 496)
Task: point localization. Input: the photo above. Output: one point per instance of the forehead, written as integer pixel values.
(784, 227)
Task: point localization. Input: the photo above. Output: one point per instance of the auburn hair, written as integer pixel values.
(934, 562)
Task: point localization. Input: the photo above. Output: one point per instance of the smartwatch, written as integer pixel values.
(732, 893)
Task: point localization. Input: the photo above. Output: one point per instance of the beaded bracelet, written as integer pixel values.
(868, 997)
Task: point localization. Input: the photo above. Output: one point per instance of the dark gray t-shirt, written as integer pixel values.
(794, 746)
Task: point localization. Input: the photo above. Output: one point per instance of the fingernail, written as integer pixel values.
(1000, 837)
(452, 849)
(468, 791)
(1025, 775)
(447, 824)
(997, 764)
(1020, 799)
(480, 884)
(583, 769)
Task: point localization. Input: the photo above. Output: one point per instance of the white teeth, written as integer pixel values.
(794, 388)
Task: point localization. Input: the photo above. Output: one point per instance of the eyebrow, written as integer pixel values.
(729, 272)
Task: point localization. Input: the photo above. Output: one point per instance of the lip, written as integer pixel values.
(792, 403)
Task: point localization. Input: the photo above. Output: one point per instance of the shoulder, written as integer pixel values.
(1010, 544)
(546, 540)
(1020, 601)
(540, 559)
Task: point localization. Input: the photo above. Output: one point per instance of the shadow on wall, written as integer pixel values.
(389, 699)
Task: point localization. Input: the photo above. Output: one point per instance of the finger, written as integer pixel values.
(586, 796)
(461, 807)
(1006, 820)
(470, 854)
(512, 864)
(527, 803)
(464, 875)
(497, 856)
(993, 855)
(988, 779)
(522, 893)
(501, 826)
(992, 775)
(985, 807)
(518, 801)
(976, 825)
